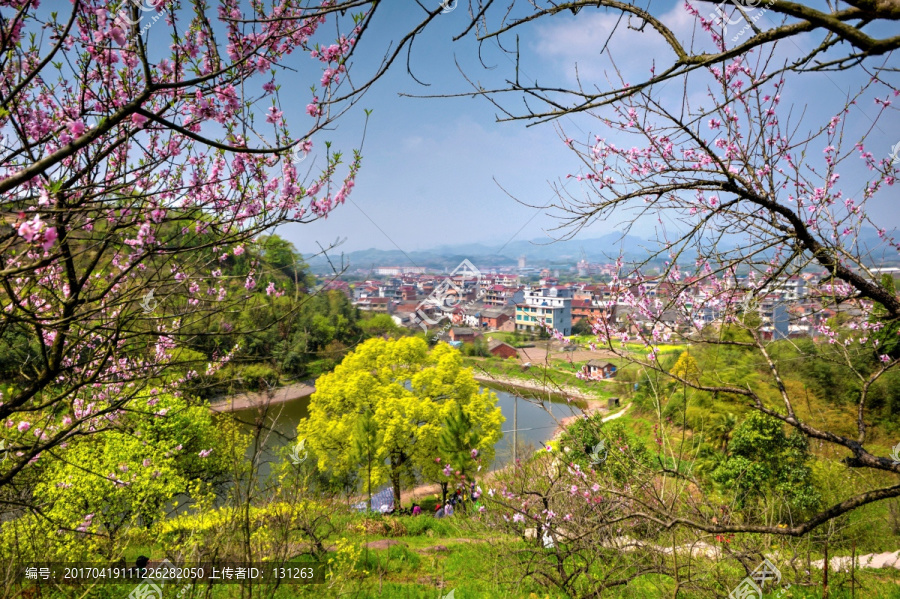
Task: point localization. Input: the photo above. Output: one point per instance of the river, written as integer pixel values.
(535, 424)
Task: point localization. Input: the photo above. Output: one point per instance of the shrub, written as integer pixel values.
(258, 377)
(419, 525)
(384, 527)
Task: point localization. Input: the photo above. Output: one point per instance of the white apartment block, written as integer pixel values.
(552, 305)
(399, 270)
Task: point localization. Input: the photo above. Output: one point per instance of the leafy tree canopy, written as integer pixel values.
(95, 488)
(764, 460)
(411, 393)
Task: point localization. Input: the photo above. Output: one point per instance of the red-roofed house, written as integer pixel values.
(501, 349)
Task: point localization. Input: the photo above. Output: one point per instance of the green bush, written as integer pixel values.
(397, 559)
(763, 461)
(258, 377)
(674, 408)
(319, 367)
(478, 348)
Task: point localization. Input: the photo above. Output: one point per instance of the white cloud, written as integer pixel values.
(580, 40)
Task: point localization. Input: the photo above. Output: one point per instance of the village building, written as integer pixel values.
(551, 306)
(598, 369)
(502, 350)
(494, 318)
(379, 305)
(463, 334)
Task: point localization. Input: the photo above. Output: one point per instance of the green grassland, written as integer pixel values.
(425, 557)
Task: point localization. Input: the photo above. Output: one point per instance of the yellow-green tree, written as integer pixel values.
(409, 393)
(686, 368)
(96, 490)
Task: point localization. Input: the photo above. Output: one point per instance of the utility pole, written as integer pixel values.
(515, 429)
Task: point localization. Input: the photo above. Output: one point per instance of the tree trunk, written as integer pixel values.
(369, 483)
(396, 462)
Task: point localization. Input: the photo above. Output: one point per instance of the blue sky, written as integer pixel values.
(439, 171)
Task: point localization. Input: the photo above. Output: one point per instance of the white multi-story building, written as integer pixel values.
(399, 270)
(550, 304)
(788, 288)
(498, 295)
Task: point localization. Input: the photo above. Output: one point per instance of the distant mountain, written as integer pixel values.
(432, 260)
(598, 249)
(537, 252)
(545, 253)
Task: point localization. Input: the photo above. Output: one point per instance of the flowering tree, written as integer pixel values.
(843, 37)
(574, 517)
(747, 197)
(739, 166)
(100, 488)
(143, 147)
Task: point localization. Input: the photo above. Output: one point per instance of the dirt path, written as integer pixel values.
(537, 355)
(242, 401)
(618, 414)
(870, 560)
(564, 422)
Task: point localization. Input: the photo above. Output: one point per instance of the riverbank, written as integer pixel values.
(279, 395)
(243, 401)
(564, 422)
(590, 402)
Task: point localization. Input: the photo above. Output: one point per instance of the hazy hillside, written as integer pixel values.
(538, 252)
(543, 253)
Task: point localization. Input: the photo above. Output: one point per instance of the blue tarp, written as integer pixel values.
(382, 501)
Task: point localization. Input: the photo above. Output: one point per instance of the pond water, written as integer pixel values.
(535, 424)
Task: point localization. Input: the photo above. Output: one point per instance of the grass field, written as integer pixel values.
(586, 340)
(426, 558)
